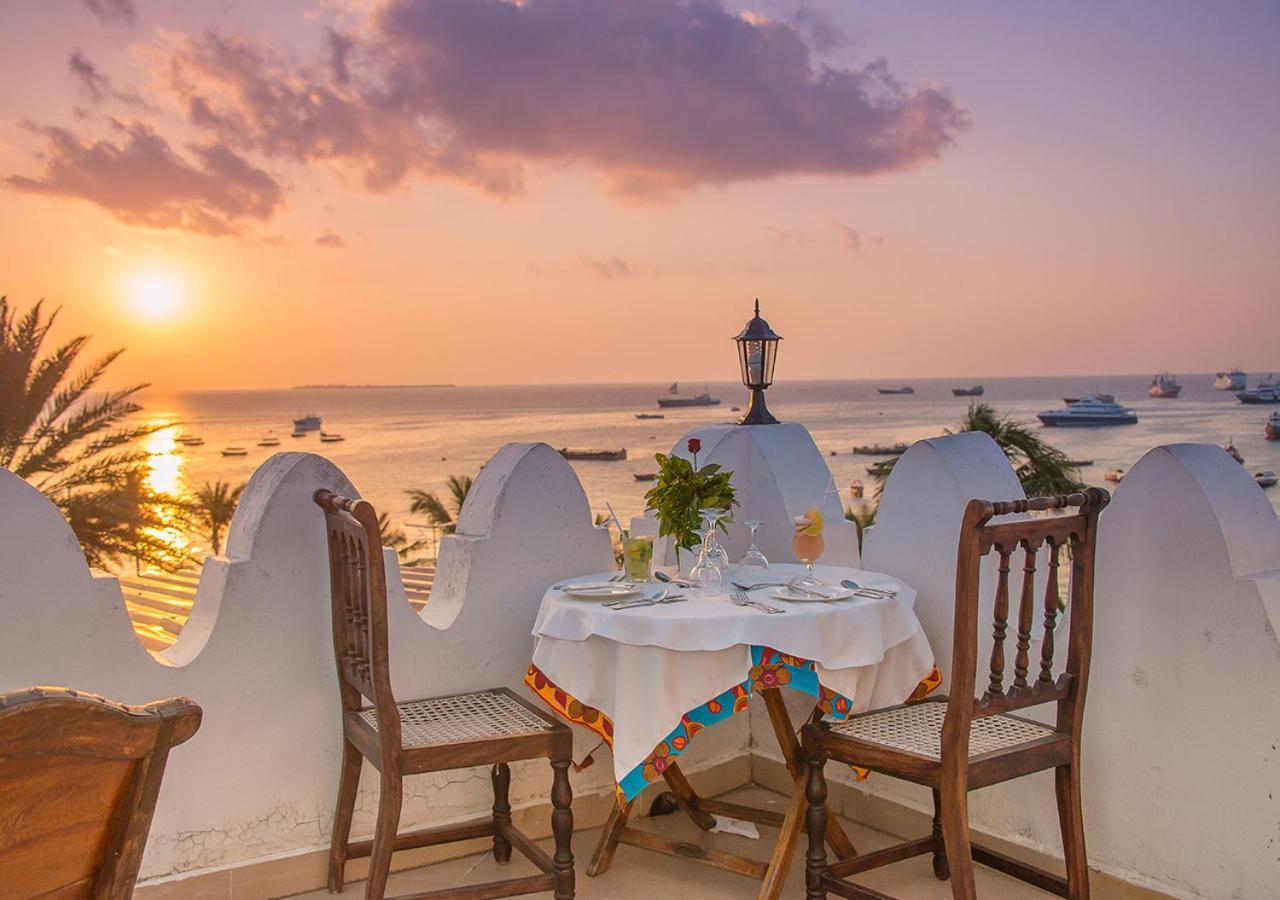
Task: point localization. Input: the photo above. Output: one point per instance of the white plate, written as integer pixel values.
(793, 596)
(601, 591)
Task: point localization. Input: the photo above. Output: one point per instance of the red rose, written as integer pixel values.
(694, 445)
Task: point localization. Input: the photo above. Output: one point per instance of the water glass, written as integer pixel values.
(753, 562)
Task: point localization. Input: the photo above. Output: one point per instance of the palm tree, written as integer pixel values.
(214, 505)
(1042, 468)
(429, 505)
(394, 536)
(76, 444)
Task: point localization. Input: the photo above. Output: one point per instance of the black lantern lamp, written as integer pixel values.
(757, 352)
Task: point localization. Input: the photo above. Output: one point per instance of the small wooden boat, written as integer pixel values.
(881, 449)
(645, 476)
(1079, 463)
(976, 391)
(298, 434)
(234, 451)
(1233, 452)
(1265, 479)
(269, 442)
(1272, 430)
(1115, 476)
(594, 455)
(650, 416)
(188, 440)
(901, 390)
(330, 438)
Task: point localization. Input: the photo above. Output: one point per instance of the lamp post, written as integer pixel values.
(757, 352)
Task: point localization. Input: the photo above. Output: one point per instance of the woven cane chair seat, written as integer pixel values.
(918, 729)
(461, 719)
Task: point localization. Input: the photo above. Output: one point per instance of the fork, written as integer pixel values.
(740, 598)
(755, 587)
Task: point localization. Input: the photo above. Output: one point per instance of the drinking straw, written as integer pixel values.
(622, 532)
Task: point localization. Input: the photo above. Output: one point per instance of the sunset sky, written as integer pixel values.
(247, 194)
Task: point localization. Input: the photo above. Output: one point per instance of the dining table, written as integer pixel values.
(649, 665)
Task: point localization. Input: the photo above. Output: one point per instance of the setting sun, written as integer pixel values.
(154, 296)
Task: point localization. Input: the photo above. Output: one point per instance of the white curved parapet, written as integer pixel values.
(917, 526)
(779, 474)
(259, 778)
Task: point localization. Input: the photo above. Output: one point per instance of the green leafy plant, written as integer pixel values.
(681, 489)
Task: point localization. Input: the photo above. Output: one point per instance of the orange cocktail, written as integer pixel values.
(807, 544)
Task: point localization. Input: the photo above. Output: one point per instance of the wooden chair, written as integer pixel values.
(490, 727)
(955, 747)
(79, 779)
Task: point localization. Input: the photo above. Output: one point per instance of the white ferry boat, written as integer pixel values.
(1235, 380)
(1089, 411)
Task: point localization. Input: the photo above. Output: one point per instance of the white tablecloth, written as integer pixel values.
(647, 667)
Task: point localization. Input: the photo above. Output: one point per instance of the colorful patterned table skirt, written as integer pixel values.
(769, 669)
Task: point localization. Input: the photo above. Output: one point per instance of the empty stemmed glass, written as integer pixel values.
(717, 553)
(707, 572)
(753, 561)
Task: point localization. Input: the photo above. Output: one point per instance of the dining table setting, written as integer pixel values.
(644, 659)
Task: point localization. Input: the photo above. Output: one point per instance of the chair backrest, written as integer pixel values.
(358, 591)
(1071, 538)
(79, 779)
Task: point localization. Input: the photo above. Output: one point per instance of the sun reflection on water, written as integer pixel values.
(164, 476)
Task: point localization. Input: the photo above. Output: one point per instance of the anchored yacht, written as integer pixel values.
(1089, 411)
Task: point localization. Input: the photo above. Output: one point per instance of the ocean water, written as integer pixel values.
(402, 438)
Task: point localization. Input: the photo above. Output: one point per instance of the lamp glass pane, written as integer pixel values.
(770, 360)
(755, 363)
(742, 361)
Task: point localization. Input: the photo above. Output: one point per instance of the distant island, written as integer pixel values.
(364, 387)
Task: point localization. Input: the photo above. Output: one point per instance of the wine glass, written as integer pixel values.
(706, 573)
(716, 552)
(753, 562)
(808, 546)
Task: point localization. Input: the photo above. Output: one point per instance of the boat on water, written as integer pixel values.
(1105, 398)
(269, 441)
(594, 455)
(328, 437)
(1088, 412)
(1115, 476)
(1164, 386)
(1265, 391)
(309, 422)
(650, 416)
(1265, 479)
(190, 441)
(1235, 380)
(902, 390)
(1233, 452)
(645, 476)
(234, 451)
(297, 433)
(881, 449)
(976, 391)
(1273, 427)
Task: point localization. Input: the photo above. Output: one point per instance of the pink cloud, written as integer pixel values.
(141, 180)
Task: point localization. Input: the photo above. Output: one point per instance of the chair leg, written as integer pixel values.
(348, 782)
(816, 825)
(384, 835)
(940, 869)
(501, 775)
(562, 828)
(955, 836)
(1067, 789)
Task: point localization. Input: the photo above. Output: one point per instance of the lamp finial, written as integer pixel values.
(757, 306)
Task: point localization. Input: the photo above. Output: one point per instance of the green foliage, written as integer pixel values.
(213, 506)
(77, 446)
(681, 490)
(1042, 468)
(428, 504)
(394, 536)
(128, 520)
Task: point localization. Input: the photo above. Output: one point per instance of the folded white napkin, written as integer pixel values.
(726, 825)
